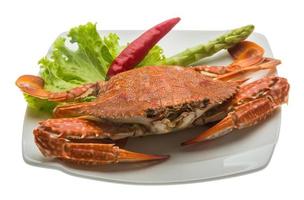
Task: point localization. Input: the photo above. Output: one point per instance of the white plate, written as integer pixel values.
(238, 153)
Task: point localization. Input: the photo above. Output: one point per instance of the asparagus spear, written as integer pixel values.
(196, 53)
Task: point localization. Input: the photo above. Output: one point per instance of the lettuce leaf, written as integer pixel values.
(82, 56)
(88, 62)
(154, 57)
(39, 104)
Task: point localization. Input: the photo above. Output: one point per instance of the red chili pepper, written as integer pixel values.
(140, 47)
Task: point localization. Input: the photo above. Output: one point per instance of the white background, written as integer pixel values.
(27, 28)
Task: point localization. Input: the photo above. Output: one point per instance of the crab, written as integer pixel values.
(155, 100)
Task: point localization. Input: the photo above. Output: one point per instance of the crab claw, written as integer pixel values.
(223, 127)
(32, 85)
(129, 156)
(267, 95)
(87, 153)
(82, 142)
(244, 116)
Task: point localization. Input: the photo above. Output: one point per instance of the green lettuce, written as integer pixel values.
(155, 56)
(82, 56)
(39, 104)
(66, 68)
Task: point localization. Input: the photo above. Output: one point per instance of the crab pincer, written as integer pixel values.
(65, 139)
(255, 102)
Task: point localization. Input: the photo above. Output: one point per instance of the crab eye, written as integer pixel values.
(205, 102)
(150, 113)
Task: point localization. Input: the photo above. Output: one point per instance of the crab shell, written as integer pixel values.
(154, 99)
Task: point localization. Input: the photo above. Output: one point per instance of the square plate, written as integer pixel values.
(240, 152)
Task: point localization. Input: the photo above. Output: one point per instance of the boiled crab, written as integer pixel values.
(156, 100)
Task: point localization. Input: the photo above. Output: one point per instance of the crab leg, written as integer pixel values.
(236, 72)
(247, 57)
(215, 71)
(246, 115)
(66, 139)
(266, 96)
(268, 63)
(33, 85)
